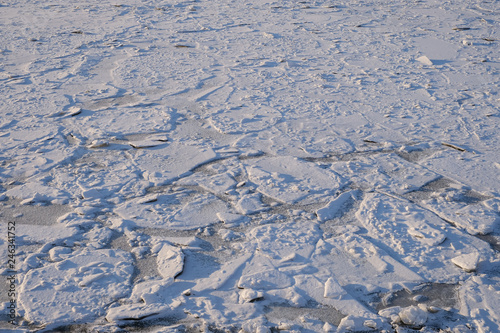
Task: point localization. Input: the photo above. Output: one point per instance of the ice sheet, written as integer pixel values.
(311, 166)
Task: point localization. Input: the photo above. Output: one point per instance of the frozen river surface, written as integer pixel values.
(261, 166)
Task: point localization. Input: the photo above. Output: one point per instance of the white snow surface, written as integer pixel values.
(230, 166)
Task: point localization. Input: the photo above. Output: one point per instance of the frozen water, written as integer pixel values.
(176, 166)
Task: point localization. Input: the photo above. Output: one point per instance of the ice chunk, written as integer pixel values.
(467, 262)
(74, 111)
(170, 261)
(333, 289)
(424, 60)
(59, 253)
(130, 312)
(378, 263)
(229, 235)
(413, 316)
(270, 279)
(331, 209)
(99, 236)
(250, 295)
(356, 323)
(329, 328)
(150, 292)
(390, 312)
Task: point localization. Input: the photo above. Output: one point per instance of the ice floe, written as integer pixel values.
(290, 180)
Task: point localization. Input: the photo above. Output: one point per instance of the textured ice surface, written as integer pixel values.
(294, 166)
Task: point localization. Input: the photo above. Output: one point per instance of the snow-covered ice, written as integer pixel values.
(263, 166)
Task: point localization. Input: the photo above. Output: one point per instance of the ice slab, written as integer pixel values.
(303, 145)
(468, 262)
(271, 279)
(170, 261)
(163, 165)
(479, 301)
(479, 171)
(333, 289)
(244, 119)
(129, 312)
(55, 234)
(291, 180)
(476, 219)
(227, 271)
(385, 171)
(333, 207)
(152, 291)
(416, 236)
(174, 211)
(250, 204)
(274, 240)
(76, 289)
(413, 316)
(38, 193)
